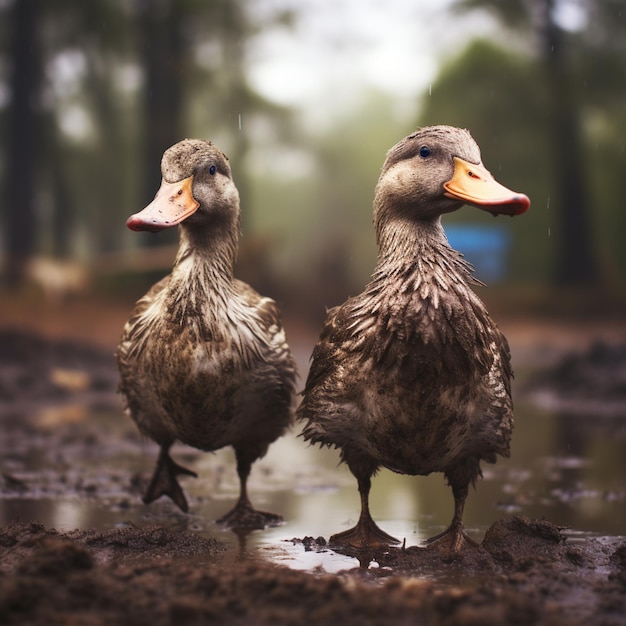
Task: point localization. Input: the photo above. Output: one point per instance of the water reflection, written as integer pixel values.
(567, 468)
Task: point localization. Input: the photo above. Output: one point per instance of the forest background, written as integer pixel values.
(305, 98)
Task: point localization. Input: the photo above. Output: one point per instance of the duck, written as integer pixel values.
(412, 374)
(204, 359)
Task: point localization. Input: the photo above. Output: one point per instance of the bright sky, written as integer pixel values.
(337, 46)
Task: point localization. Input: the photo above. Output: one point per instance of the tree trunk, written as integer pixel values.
(162, 52)
(575, 260)
(23, 135)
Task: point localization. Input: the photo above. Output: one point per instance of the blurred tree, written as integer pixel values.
(576, 261)
(54, 47)
(564, 55)
(163, 54)
(24, 131)
(84, 144)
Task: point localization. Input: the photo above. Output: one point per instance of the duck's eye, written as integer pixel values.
(212, 170)
(424, 152)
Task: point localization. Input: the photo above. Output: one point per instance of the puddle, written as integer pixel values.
(81, 472)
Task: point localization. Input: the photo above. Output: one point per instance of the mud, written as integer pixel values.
(593, 380)
(38, 373)
(525, 571)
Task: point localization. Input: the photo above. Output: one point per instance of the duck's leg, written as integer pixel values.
(366, 534)
(164, 481)
(243, 514)
(453, 539)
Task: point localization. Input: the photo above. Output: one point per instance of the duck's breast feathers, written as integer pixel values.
(377, 391)
(189, 375)
(393, 340)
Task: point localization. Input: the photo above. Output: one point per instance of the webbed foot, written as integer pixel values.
(366, 534)
(452, 540)
(164, 482)
(244, 515)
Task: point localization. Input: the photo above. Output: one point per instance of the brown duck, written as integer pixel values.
(203, 358)
(412, 374)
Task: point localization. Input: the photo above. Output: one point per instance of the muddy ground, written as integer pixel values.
(524, 572)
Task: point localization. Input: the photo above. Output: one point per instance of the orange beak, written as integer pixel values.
(173, 203)
(474, 185)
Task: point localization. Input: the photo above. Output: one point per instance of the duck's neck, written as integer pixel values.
(201, 281)
(410, 249)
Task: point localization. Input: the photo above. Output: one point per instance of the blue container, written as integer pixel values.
(485, 247)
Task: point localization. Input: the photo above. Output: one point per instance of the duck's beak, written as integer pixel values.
(173, 203)
(473, 184)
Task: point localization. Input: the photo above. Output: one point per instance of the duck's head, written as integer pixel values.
(437, 170)
(197, 189)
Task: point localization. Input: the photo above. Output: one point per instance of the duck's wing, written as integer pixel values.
(505, 357)
(323, 359)
(135, 329)
(270, 332)
(263, 307)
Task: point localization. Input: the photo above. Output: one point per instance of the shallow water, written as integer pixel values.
(568, 468)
